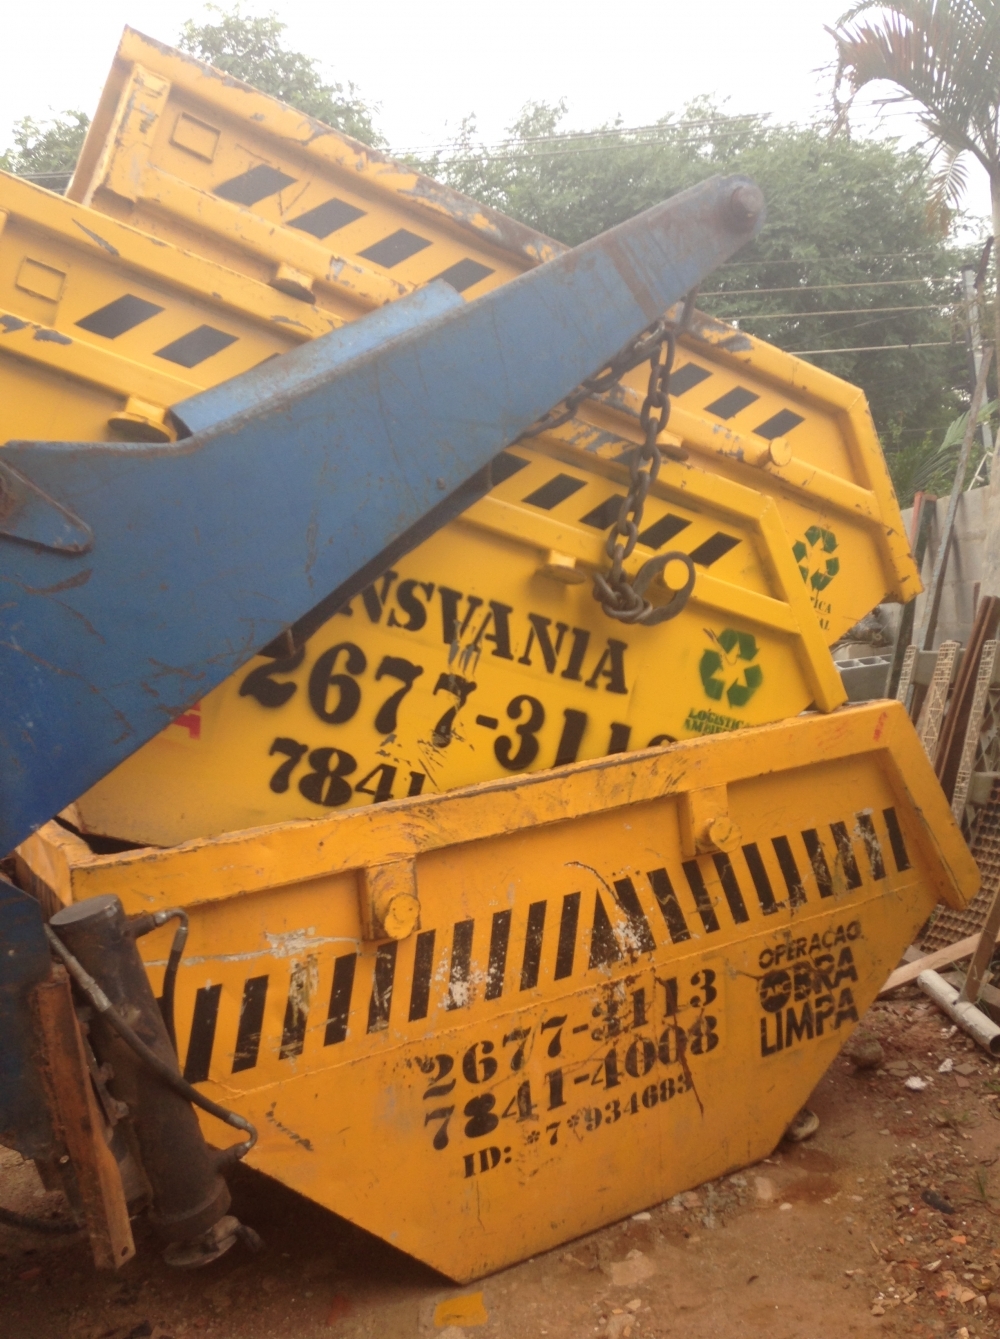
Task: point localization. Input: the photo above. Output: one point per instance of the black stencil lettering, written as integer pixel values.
(259, 683)
(499, 939)
(899, 853)
(618, 741)
(702, 901)
(499, 616)
(604, 948)
(789, 870)
(325, 784)
(527, 750)
(459, 990)
(374, 599)
(611, 666)
(533, 946)
(731, 887)
(462, 688)
(576, 653)
(817, 859)
(568, 922)
(293, 751)
(382, 981)
(451, 632)
(845, 852)
(413, 607)
(540, 630)
(206, 1015)
(340, 999)
(322, 679)
(872, 845)
(407, 673)
(423, 965)
(571, 737)
(758, 872)
(293, 1034)
(639, 929)
(666, 899)
(251, 1022)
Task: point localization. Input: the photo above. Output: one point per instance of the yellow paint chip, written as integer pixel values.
(468, 1309)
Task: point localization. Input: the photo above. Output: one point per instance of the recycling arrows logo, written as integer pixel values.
(814, 558)
(735, 648)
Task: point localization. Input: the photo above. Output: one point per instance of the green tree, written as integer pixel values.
(848, 235)
(251, 49)
(46, 150)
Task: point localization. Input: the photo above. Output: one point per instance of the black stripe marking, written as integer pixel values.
(731, 887)
(778, 424)
(620, 734)
(206, 1015)
(872, 845)
(702, 901)
(382, 981)
(687, 377)
(604, 948)
(505, 466)
(499, 939)
(197, 345)
(394, 249)
(663, 891)
(340, 999)
(657, 534)
(533, 946)
(326, 218)
(257, 184)
(251, 1023)
(758, 872)
(423, 965)
(632, 907)
(730, 404)
(554, 491)
(606, 514)
(125, 313)
(713, 548)
(293, 1034)
(846, 853)
(568, 922)
(817, 858)
(459, 994)
(899, 853)
(790, 871)
(464, 273)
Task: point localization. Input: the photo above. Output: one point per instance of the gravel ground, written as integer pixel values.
(885, 1221)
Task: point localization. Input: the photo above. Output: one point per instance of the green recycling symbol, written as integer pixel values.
(824, 567)
(743, 687)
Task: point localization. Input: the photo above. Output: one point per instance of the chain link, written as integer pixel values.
(620, 598)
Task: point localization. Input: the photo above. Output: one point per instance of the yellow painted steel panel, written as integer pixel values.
(193, 156)
(473, 658)
(599, 1006)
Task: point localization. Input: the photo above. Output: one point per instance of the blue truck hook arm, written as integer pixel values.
(134, 578)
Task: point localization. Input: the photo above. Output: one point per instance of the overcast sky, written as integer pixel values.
(427, 65)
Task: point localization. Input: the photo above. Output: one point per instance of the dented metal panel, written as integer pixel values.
(607, 968)
(194, 156)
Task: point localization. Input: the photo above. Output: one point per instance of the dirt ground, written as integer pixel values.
(824, 1239)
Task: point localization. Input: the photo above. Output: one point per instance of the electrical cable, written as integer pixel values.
(149, 1057)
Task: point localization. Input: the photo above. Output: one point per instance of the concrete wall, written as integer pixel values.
(962, 575)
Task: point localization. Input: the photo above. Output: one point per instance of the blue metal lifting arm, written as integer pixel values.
(135, 578)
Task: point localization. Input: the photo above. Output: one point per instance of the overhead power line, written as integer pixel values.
(871, 348)
(798, 316)
(704, 295)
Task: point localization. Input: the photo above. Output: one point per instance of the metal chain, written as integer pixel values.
(620, 598)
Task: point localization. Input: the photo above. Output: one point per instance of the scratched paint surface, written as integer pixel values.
(587, 1019)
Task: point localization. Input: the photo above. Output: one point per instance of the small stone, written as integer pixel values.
(634, 1305)
(764, 1189)
(916, 1084)
(864, 1050)
(946, 1066)
(966, 1068)
(993, 1301)
(641, 1217)
(786, 1205)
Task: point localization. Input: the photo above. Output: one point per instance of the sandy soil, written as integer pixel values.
(822, 1240)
